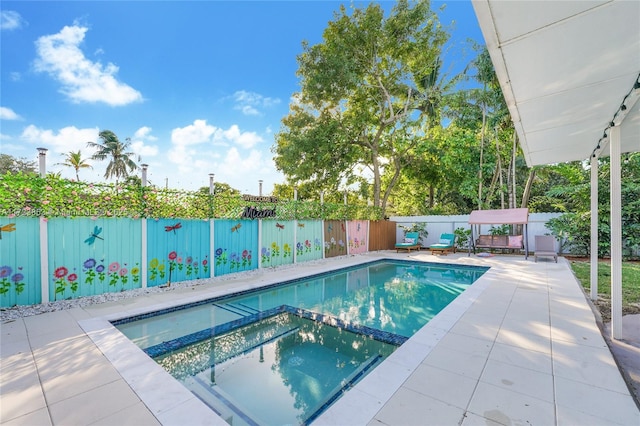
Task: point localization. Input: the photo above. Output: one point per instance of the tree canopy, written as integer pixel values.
(110, 148)
(362, 90)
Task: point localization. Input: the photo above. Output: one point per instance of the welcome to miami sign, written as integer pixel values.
(254, 212)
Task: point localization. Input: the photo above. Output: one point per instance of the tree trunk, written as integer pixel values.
(527, 188)
(499, 171)
(484, 123)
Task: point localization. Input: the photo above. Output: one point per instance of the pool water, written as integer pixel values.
(303, 364)
(283, 369)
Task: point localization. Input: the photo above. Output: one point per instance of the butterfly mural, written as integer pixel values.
(7, 228)
(92, 238)
(173, 227)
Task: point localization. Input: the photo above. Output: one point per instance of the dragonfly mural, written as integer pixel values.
(7, 228)
(92, 238)
(173, 227)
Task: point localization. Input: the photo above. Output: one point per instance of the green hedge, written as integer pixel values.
(51, 196)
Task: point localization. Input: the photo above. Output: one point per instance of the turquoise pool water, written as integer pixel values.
(283, 354)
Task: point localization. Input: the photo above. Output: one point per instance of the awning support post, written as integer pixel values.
(594, 229)
(616, 234)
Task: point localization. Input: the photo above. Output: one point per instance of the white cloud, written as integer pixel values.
(10, 20)
(144, 133)
(82, 80)
(139, 145)
(193, 134)
(66, 139)
(15, 76)
(246, 140)
(62, 142)
(8, 114)
(250, 103)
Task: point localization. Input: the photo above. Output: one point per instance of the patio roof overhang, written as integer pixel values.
(565, 68)
(570, 74)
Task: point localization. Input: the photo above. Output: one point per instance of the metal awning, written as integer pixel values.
(499, 217)
(570, 74)
(565, 68)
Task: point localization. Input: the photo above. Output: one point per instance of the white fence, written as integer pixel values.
(437, 225)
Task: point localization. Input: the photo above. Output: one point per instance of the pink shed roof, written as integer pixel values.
(499, 217)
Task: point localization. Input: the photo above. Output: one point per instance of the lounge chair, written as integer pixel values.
(411, 242)
(444, 245)
(545, 247)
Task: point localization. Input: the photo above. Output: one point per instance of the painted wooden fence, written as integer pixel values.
(46, 260)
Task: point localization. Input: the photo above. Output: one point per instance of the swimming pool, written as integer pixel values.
(380, 302)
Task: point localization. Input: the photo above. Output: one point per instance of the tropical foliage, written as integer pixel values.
(110, 148)
(75, 161)
(52, 196)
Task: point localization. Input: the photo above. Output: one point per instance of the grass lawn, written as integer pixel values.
(630, 283)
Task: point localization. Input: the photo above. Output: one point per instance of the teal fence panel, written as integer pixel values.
(236, 246)
(358, 230)
(309, 240)
(277, 242)
(19, 261)
(88, 257)
(177, 250)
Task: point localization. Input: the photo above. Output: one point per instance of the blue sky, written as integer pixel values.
(200, 87)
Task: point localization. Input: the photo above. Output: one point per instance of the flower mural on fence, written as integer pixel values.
(221, 256)
(59, 274)
(114, 268)
(6, 279)
(124, 278)
(156, 269)
(189, 265)
(173, 260)
(90, 272)
(266, 255)
(317, 244)
(73, 281)
(246, 257)
(135, 274)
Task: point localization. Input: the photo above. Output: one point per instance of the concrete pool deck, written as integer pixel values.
(521, 346)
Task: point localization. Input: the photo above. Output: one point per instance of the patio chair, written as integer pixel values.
(444, 245)
(545, 247)
(411, 242)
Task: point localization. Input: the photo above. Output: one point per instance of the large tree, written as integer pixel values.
(110, 147)
(9, 163)
(74, 160)
(358, 112)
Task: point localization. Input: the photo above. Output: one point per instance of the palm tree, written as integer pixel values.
(120, 164)
(74, 159)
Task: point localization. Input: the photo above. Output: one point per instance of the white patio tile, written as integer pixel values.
(134, 415)
(510, 408)
(408, 407)
(592, 366)
(445, 386)
(38, 417)
(523, 358)
(529, 341)
(517, 379)
(456, 361)
(471, 419)
(617, 408)
(93, 405)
